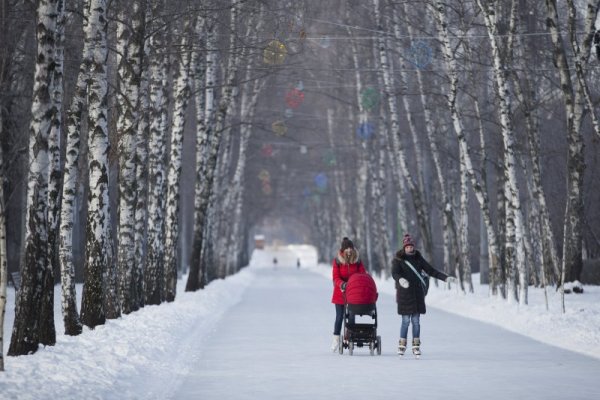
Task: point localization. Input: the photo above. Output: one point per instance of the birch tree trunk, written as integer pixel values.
(129, 61)
(361, 187)
(221, 115)
(3, 263)
(572, 237)
(205, 111)
(248, 109)
(342, 227)
(99, 299)
(142, 138)
(182, 95)
(515, 253)
(47, 328)
(34, 269)
(448, 218)
(71, 318)
(417, 187)
(399, 151)
(455, 111)
(154, 272)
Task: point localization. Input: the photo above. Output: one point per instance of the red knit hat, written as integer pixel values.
(407, 241)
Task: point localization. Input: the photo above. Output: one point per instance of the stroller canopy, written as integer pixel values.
(361, 289)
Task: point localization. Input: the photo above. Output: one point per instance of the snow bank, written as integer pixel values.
(115, 360)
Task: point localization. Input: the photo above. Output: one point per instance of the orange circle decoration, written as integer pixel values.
(294, 97)
(274, 53)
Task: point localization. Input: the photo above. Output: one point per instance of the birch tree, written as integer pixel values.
(71, 317)
(182, 93)
(574, 107)
(26, 334)
(142, 136)
(439, 12)
(99, 296)
(515, 253)
(129, 61)
(154, 272)
(3, 263)
(213, 145)
(204, 82)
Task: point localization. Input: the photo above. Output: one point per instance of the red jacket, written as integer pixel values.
(361, 289)
(341, 272)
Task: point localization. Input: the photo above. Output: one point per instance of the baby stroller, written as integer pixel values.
(360, 297)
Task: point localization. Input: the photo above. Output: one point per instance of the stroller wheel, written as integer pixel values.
(372, 348)
(350, 347)
(378, 345)
(341, 346)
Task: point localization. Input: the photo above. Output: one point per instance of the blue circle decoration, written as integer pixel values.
(365, 130)
(420, 54)
(321, 181)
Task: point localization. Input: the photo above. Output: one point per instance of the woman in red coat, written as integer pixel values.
(345, 264)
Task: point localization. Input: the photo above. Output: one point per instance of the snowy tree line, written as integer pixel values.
(474, 98)
(104, 161)
(484, 118)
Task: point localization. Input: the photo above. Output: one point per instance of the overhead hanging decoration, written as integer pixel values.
(324, 42)
(329, 158)
(294, 97)
(267, 150)
(365, 130)
(303, 149)
(321, 181)
(279, 128)
(274, 53)
(369, 98)
(289, 113)
(265, 179)
(420, 54)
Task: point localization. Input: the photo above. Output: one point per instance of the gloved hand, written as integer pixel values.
(403, 282)
(343, 287)
(451, 279)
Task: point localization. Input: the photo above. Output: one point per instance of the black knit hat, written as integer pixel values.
(347, 243)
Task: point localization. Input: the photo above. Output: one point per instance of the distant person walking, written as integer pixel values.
(298, 263)
(274, 262)
(345, 264)
(408, 270)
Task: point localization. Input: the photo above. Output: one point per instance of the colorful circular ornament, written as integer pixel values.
(267, 150)
(420, 54)
(365, 130)
(294, 97)
(274, 53)
(325, 42)
(329, 158)
(289, 113)
(369, 98)
(321, 181)
(264, 175)
(279, 128)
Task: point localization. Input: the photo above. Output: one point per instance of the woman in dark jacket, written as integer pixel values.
(345, 264)
(410, 293)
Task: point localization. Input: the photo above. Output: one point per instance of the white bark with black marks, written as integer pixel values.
(129, 63)
(182, 93)
(99, 299)
(26, 334)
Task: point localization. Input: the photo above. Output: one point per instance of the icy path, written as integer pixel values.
(274, 345)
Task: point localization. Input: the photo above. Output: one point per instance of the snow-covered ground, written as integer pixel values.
(265, 333)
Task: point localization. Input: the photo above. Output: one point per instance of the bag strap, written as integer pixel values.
(416, 273)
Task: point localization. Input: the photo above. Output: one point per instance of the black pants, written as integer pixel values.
(339, 318)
